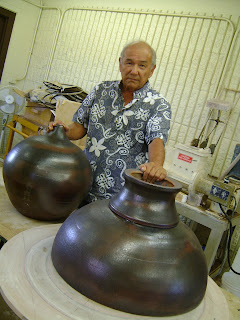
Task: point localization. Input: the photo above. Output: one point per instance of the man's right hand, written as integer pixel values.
(55, 123)
(74, 131)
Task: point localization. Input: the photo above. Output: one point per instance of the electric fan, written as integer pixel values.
(12, 101)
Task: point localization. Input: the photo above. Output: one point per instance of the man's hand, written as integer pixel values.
(74, 131)
(152, 172)
(55, 123)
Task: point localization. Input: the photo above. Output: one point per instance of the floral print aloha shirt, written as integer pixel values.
(118, 136)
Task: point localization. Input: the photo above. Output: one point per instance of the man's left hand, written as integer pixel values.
(152, 172)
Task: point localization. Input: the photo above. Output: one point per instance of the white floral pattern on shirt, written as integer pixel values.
(151, 98)
(97, 146)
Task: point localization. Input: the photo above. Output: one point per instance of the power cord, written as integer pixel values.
(230, 233)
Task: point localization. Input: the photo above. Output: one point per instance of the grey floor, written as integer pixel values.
(5, 312)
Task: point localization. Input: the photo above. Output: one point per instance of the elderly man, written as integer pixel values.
(126, 122)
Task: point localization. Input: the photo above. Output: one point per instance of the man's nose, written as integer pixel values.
(134, 69)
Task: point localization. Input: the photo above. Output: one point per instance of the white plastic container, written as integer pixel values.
(231, 280)
(187, 162)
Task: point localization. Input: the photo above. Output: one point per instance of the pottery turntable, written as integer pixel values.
(34, 290)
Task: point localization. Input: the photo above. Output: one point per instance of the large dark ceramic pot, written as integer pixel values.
(131, 253)
(47, 177)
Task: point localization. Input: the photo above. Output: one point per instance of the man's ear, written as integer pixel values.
(153, 68)
(120, 63)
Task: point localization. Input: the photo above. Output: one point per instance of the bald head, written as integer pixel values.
(136, 65)
(144, 45)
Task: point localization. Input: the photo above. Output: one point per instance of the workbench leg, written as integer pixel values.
(193, 225)
(10, 138)
(212, 245)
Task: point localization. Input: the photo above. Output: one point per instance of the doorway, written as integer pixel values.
(6, 25)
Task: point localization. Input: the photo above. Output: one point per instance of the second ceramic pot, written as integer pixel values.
(47, 177)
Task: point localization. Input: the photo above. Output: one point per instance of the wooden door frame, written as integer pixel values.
(9, 18)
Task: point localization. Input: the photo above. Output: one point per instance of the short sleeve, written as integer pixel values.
(158, 125)
(82, 114)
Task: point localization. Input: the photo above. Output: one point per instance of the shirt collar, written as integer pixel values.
(141, 93)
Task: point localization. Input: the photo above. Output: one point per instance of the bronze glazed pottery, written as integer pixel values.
(132, 253)
(47, 177)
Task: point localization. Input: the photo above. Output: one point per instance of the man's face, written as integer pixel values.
(135, 66)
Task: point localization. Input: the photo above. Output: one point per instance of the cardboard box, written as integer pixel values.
(38, 115)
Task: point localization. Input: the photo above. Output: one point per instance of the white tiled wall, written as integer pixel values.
(194, 57)
(191, 55)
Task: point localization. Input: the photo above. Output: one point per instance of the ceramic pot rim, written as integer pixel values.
(173, 185)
